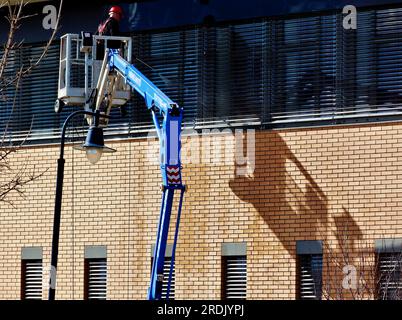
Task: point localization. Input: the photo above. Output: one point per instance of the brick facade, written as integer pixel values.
(307, 184)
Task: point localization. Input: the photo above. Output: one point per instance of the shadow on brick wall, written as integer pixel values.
(286, 195)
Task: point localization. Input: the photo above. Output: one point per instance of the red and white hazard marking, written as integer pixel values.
(173, 174)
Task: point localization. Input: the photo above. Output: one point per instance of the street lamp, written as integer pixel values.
(94, 147)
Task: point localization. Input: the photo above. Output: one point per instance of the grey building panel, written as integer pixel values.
(95, 252)
(388, 245)
(234, 249)
(31, 253)
(309, 247)
(168, 251)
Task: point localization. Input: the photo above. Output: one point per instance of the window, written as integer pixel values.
(171, 61)
(32, 110)
(234, 271)
(389, 269)
(287, 72)
(31, 274)
(233, 71)
(95, 273)
(166, 270)
(305, 69)
(309, 270)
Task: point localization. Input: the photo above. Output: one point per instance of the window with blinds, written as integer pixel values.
(32, 272)
(389, 272)
(309, 276)
(29, 109)
(95, 279)
(304, 64)
(233, 71)
(280, 72)
(234, 277)
(269, 72)
(166, 271)
(171, 61)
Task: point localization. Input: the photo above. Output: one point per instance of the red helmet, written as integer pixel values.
(116, 9)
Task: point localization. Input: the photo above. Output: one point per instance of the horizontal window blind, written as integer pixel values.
(389, 276)
(29, 109)
(32, 279)
(233, 65)
(269, 72)
(304, 64)
(96, 279)
(310, 276)
(235, 277)
(171, 61)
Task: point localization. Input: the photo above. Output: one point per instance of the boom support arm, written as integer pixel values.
(169, 137)
(157, 102)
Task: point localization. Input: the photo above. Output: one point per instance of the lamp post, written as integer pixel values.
(94, 147)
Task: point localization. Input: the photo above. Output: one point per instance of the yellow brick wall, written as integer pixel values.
(308, 184)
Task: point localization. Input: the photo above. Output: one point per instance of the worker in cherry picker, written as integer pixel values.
(110, 27)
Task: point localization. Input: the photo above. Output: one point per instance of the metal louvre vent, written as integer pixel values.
(166, 270)
(32, 279)
(389, 276)
(235, 277)
(310, 276)
(96, 279)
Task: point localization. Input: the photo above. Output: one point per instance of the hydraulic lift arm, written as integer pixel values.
(169, 137)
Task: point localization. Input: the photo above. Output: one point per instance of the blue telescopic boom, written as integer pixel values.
(169, 138)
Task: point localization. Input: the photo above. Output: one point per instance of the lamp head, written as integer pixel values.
(94, 145)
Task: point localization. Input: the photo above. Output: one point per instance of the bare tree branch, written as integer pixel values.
(12, 179)
(14, 18)
(373, 279)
